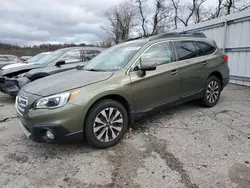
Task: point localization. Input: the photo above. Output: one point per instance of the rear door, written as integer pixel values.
(159, 86)
(192, 67)
(211, 58)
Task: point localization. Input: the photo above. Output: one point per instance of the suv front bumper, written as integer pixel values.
(65, 123)
(12, 86)
(61, 135)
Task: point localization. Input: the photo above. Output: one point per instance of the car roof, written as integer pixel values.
(82, 48)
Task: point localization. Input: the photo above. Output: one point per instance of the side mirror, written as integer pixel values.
(141, 69)
(147, 67)
(59, 63)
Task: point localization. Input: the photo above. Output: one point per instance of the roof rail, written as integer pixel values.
(180, 34)
(136, 38)
(194, 34)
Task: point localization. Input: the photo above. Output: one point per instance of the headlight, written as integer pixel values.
(55, 101)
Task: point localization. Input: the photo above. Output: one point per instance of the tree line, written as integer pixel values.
(36, 49)
(136, 17)
(32, 50)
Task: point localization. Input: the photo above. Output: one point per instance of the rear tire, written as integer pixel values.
(106, 124)
(212, 91)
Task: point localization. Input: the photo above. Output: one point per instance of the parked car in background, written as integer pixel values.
(8, 59)
(25, 58)
(33, 59)
(123, 83)
(12, 79)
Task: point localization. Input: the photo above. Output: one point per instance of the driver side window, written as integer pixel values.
(72, 57)
(158, 54)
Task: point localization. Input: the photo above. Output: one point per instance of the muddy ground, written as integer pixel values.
(185, 146)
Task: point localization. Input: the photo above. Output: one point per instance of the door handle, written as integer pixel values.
(204, 63)
(174, 72)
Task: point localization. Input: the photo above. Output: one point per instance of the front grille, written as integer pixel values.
(21, 103)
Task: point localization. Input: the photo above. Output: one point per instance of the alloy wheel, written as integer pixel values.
(212, 92)
(108, 124)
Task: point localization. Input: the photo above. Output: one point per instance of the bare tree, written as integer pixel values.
(141, 8)
(228, 5)
(219, 8)
(161, 17)
(120, 21)
(200, 12)
(160, 20)
(225, 7)
(175, 4)
(235, 5)
(158, 8)
(184, 13)
(104, 44)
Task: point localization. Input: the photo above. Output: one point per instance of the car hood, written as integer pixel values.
(18, 67)
(14, 65)
(65, 81)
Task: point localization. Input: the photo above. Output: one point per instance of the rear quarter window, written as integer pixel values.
(206, 48)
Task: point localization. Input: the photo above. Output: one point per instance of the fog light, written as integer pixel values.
(50, 135)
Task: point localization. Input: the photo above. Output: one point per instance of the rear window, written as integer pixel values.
(206, 48)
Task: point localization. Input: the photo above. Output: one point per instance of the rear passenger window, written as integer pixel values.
(185, 50)
(206, 48)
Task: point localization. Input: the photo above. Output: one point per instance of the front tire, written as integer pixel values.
(106, 124)
(212, 91)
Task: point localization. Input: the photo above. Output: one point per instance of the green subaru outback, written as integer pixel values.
(98, 102)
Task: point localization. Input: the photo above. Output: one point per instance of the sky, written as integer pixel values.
(33, 22)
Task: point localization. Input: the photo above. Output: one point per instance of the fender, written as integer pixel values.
(38, 76)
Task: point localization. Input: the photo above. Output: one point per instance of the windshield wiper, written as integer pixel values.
(79, 67)
(96, 70)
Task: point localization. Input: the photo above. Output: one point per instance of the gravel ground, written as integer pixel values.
(185, 146)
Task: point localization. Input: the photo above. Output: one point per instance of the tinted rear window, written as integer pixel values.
(206, 48)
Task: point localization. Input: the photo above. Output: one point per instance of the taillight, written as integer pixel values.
(20, 59)
(225, 58)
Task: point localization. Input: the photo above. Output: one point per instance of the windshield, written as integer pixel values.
(115, 57)
(51, 57)
(36, 58)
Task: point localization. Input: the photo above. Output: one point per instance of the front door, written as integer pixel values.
(159, 86)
